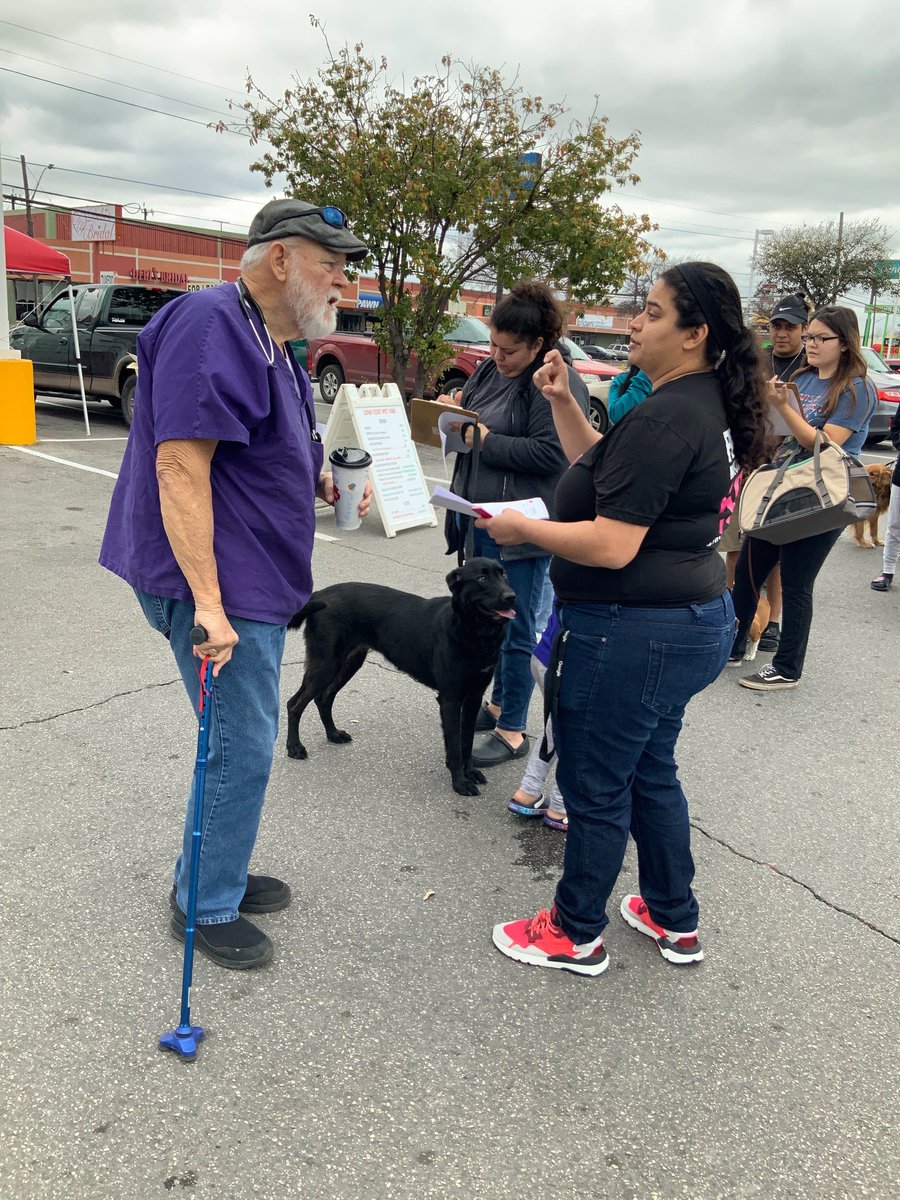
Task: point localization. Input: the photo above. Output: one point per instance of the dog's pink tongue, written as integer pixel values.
(508, 614)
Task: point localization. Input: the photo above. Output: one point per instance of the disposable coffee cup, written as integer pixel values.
(350, 470)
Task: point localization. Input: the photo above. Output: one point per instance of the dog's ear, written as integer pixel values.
(454, 579)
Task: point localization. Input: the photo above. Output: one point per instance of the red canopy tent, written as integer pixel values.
(27, 256)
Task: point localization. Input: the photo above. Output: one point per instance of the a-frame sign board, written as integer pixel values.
(374, 419)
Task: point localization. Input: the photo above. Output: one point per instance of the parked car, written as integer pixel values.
(108, 318)
(893, 364)
(356, 358)
(599, 352)
(620, 349)
(887, 385)
(597, 376)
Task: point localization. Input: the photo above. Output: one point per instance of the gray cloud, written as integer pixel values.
(752, 114)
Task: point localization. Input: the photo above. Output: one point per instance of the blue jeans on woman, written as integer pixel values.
(245, 708)
(513, 682)
(627, 675)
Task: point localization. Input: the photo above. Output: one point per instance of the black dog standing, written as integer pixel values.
(450, 643)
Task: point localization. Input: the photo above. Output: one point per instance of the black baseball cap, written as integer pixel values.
(298, 218)
(791, 309)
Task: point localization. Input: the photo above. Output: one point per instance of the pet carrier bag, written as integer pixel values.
(805, 493)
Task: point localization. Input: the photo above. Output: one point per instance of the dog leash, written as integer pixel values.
(552, 680)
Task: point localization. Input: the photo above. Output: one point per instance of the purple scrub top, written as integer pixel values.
(203, 372)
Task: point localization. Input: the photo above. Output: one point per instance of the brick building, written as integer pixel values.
(105, 246)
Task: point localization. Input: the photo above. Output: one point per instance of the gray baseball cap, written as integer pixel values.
(298, 218)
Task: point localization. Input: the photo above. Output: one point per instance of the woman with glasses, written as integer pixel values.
(837, 398)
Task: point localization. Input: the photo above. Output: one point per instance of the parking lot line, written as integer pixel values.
(65, 462)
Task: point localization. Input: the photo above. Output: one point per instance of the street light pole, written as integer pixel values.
(759, 233)
(29, 223)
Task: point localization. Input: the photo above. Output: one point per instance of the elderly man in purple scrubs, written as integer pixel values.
(212, 522)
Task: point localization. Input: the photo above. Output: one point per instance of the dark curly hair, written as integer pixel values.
(737, 362)
(529, 312)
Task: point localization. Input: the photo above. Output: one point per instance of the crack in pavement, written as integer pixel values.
(383, 666)
(67, 712)
(793, 879)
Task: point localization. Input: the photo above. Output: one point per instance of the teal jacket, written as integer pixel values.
(619, 403)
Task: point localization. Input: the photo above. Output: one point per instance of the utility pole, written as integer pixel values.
(837, 258)
(29, 221)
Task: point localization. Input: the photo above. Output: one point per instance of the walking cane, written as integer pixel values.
(185, 1038)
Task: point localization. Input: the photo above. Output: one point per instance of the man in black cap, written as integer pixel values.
(212, 523)
(787, 324)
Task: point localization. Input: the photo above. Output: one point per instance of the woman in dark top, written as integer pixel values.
(520, 457)
(647, 621)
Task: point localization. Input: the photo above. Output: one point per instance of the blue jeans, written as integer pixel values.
(245, 707)
(513, 683)
(627, 676)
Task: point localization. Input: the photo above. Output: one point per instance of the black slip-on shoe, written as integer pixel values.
(494, 749)
(265, 894)
(237, 945)
(485, 720)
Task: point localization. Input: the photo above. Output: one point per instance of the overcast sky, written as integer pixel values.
(753, 114)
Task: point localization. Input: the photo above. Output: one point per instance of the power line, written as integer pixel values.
(111, 54)
(165, 187)
(102, 79)
(61, 208)
(115, 100)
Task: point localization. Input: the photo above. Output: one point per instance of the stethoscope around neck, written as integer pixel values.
(249, 305)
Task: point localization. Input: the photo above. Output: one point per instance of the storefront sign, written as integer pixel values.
(151, 275)
(595, 321)
(368, 300)
(96, 224)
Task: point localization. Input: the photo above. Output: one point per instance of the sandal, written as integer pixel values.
(523, 809)
(558, 821)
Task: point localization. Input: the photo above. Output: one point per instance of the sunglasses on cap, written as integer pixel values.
(331, 215)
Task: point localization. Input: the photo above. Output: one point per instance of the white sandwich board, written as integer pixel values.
(374, 419)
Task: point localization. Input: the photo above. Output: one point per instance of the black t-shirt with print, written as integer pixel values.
(668, 465)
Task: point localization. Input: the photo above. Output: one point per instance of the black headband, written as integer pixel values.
(725, 338)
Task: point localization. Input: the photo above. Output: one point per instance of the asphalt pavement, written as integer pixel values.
(389, 1050)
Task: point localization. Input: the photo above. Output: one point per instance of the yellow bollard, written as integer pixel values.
(17, 419)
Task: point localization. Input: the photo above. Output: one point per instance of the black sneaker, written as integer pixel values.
(237, 945)
(767, 679)
(771, 636)
(882, 582)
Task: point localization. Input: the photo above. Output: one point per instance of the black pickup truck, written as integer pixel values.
(108, 317)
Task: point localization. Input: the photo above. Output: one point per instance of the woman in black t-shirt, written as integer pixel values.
(647, 621)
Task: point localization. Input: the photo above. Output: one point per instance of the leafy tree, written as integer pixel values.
(639, 280)
(432, 174)
(813, 259)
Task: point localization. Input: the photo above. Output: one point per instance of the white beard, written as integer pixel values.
(313, 314)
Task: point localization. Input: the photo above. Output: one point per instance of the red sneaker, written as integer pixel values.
(539, 940)
(678, 948)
